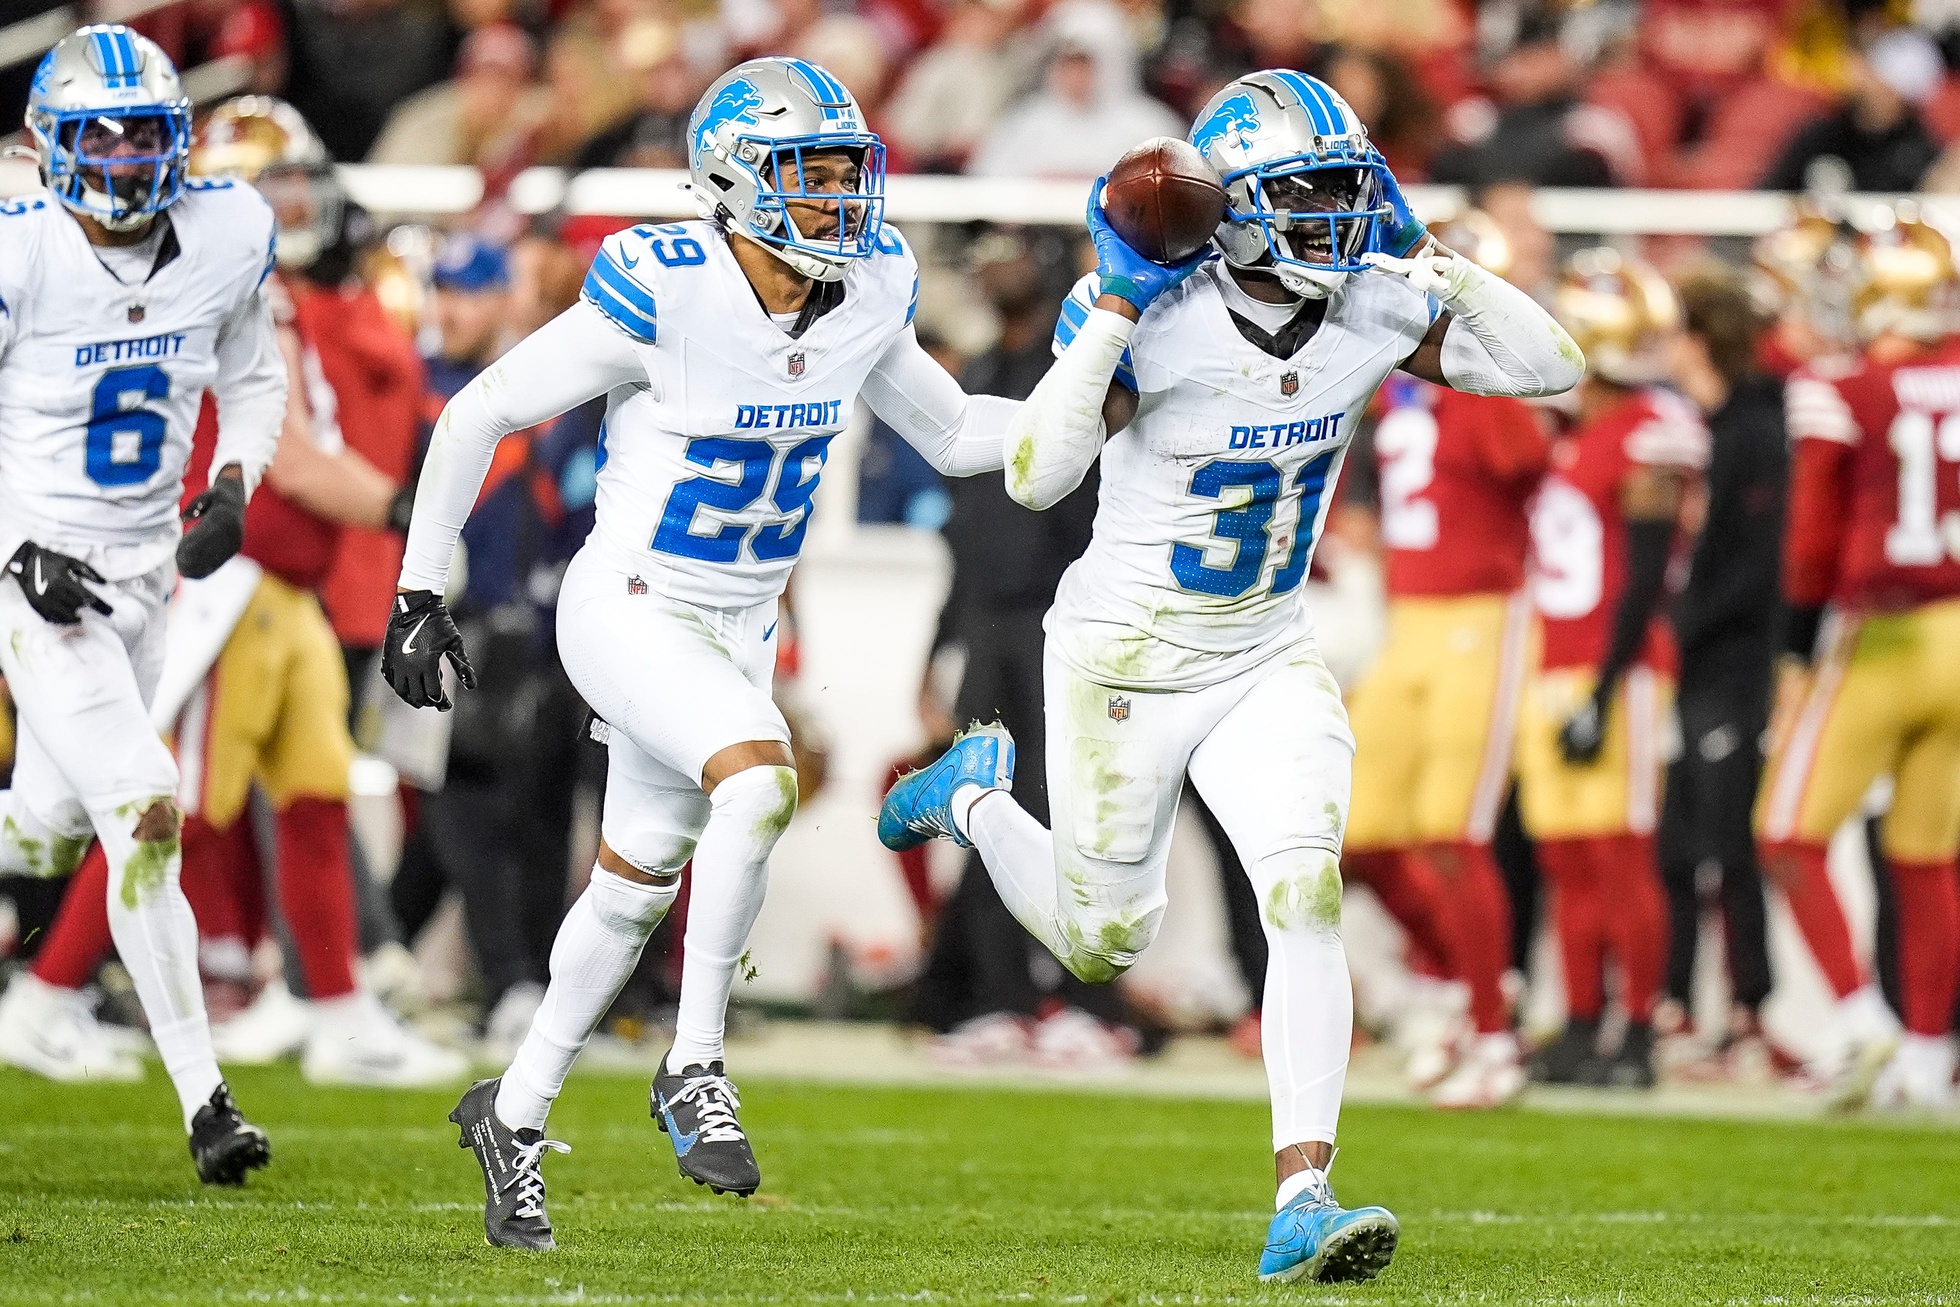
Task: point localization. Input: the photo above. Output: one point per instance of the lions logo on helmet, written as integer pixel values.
(753, 134)
(111, 124)
(1303, 184)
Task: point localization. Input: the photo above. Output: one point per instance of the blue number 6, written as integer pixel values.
(124, 446)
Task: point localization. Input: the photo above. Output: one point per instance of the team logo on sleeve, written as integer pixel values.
(796, 364)
(1119, 708)
(737, 103)
(1289, 383)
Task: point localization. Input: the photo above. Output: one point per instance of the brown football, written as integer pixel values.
(1164, 199)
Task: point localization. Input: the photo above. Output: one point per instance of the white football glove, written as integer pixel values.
(1443, 275)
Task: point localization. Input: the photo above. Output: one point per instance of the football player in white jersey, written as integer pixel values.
(731, 351)
(125, 293)
(1179, 643)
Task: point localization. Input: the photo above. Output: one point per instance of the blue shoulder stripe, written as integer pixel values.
(616, 295)
(912, 309)
(1070, 323)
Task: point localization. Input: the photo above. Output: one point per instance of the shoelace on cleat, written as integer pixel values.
(715, 1101)
(527, 1176)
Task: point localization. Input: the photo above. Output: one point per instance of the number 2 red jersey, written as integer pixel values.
(1578, 533)
(1457, 473)
(1875, 487)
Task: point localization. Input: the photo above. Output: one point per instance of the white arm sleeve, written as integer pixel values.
(1499, 341)
(1057, 434)
(575, 357)
(959, 434)
(251, 390)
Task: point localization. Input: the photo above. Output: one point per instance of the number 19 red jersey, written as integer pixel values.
(1457, 472)
(1875, 511)
(1578, 533)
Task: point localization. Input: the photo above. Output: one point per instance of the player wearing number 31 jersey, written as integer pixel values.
(731, 352)
(1221, 399)
(1875, 534)
(126, 291)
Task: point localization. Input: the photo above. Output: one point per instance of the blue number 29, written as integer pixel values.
(796, 483)
(125, 441)
(1249, 526)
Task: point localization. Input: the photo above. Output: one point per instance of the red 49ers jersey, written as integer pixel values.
(1877, 482)
(1457, 472)
(1578, 534)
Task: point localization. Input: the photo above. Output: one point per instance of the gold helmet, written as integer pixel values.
(1620, 312)
(1806, 271)
(1476, 236)
(266, 142)
(1905, 280)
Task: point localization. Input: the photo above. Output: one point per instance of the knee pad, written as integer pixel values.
(654, 830)
(628, 907)
(1103, 944)
(761, 800)
(1299, 888)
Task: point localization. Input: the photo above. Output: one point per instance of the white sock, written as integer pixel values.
(156, 936)
(751, 810)
(1293, 1185)
(1866, 1014)
(1020, 857)
(1307, 1013)
(598, 946)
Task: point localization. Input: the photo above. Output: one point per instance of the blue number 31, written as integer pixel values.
(796, 483)
(1248, 526)
(125, 441)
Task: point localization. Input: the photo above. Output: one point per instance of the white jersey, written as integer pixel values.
(101, 378)
(1213, 497)
(707, 468)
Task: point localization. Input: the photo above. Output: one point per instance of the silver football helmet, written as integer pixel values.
(750, 141)
(1302, 183)
(112, 125)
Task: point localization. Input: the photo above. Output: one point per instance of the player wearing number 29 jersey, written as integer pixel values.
(125, 293)
(1875, 534)
(731, 352)
(1221, 400)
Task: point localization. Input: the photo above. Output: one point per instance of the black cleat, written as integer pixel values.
(223, 1143)
(1562, 1061)
(695, 1107)
(1630, 1068)
(513, 1183)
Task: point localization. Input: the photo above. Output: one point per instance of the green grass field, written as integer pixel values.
(956, 1195)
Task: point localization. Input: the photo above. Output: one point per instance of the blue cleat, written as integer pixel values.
(919, 807)
(1317, 1238)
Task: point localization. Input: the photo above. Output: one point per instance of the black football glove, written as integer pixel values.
(214, 528)
(53, 584)
(421, 633)
(401, 509)
(1584, 734)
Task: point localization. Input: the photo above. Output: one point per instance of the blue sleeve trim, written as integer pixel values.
(1074, 314)
(912, 309)
(622, 299)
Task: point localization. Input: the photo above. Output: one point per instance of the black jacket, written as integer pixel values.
(1732, 587)
(1892, 160)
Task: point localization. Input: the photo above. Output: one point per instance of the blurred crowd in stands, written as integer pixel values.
(1723, 94)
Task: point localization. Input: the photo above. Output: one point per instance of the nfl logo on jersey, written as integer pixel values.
(1289, 384)
(635, 586)
(136, 313)
(796, 364)
(1119, 708)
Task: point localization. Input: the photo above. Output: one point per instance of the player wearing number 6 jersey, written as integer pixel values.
(731, 352)
(1221, 399)
(1874, 533)
(125, 292)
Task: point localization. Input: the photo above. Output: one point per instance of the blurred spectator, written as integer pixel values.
(981, 981)
(197, 31)
(354, 60)
(1089, 109)
(491, 109)
(1534, 252)
(1877, 141)
(1538, 129)
(951, 95)
(654, 133)
(1401, 121)
(1274, 33)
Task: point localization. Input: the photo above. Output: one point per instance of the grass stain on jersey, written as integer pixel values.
(1311, 898)
(50, 859)
(149, 866)
(1020, 469)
